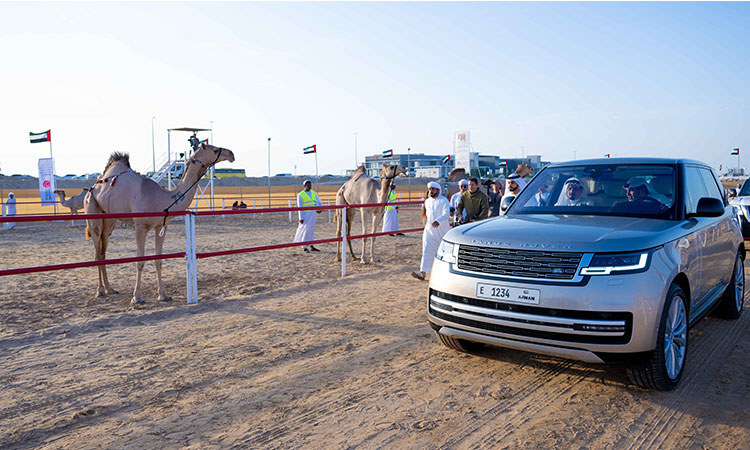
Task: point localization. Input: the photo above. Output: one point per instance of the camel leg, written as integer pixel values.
(349, 220)
(364, 240)
(159, 241)
(140, 242)
(96, 229)
(96, 236)
(376, 220)
(109, 226)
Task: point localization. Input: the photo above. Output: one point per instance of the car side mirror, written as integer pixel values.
(732, 193)
(709, 207)
(506, 202)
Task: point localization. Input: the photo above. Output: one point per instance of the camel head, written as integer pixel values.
(523, 170)
(59, 191)
(457, 174)
(207, 154)
(392, 171)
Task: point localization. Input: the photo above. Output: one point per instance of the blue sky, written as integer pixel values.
(558, 79)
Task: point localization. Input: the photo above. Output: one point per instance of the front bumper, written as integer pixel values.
(595, 319)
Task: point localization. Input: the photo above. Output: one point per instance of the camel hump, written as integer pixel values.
(117, 157)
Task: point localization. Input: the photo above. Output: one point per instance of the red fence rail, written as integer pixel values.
(201, 255)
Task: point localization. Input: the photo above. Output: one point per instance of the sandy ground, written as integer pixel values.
(281, 352)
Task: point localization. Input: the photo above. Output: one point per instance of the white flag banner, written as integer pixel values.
(463, 150)
(47, 181)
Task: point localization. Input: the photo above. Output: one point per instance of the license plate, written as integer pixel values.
(498, 292)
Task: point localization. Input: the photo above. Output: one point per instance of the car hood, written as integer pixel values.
(575, 233)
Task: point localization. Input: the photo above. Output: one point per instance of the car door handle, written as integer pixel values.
(683, 244)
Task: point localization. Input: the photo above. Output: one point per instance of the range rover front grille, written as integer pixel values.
(519, 263)
(525, 321)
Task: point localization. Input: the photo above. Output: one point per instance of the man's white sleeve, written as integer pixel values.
(443, 211)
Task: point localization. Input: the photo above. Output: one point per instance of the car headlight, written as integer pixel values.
(604, 264)
(447, 252)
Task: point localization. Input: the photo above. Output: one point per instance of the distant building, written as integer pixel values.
(414, 161)
(432, 166)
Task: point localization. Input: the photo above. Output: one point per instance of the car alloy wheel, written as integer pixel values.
(675, 338)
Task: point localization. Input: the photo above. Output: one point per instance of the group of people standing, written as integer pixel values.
(469, 204)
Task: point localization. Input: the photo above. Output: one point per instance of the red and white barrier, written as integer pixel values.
(190, 254)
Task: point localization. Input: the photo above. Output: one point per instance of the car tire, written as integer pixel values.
(663, 369)
(461, 345)
(730, 305)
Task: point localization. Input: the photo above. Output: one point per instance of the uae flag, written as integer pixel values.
(204, 141)
(446, 158)
(310, 149)
(387, 153)
(41, 137)
(736, 151)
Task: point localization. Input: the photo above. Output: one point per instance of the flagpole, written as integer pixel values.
(316, 168)
(408, 168)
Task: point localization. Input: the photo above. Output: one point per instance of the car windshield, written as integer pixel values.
(745, 190)
(633, 190)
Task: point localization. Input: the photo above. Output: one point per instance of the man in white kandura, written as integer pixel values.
(390, 216)
(10, 210)
(436, 212)
(463, 186)
(307, 219)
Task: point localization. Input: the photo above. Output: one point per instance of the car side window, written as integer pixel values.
(695, 189)
(711, 186)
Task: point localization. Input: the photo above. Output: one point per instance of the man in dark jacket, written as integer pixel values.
(474, 202)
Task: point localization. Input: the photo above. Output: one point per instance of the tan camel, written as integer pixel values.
(74, 203)
(121, 190)
(524, 170)
(361, 189)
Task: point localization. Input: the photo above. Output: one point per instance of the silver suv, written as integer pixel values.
(606, 260)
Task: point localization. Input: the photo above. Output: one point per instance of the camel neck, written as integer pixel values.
(187, 186)
(385, 184)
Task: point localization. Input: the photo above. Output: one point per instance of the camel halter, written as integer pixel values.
(204, 167)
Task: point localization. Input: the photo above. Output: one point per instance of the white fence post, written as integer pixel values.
(290, 213)
(343, 241)
(253, 208)
(5, 224)
(190, 260)
(329, 211)
(223, 206)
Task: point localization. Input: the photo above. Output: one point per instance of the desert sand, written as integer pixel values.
(282, 352)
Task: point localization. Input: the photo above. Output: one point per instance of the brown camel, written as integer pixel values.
(74, 203)
(121, 190)
(361, 189)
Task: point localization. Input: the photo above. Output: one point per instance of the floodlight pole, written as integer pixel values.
(153, 145)
(269, 172)
(211, 170)
(356, 159)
